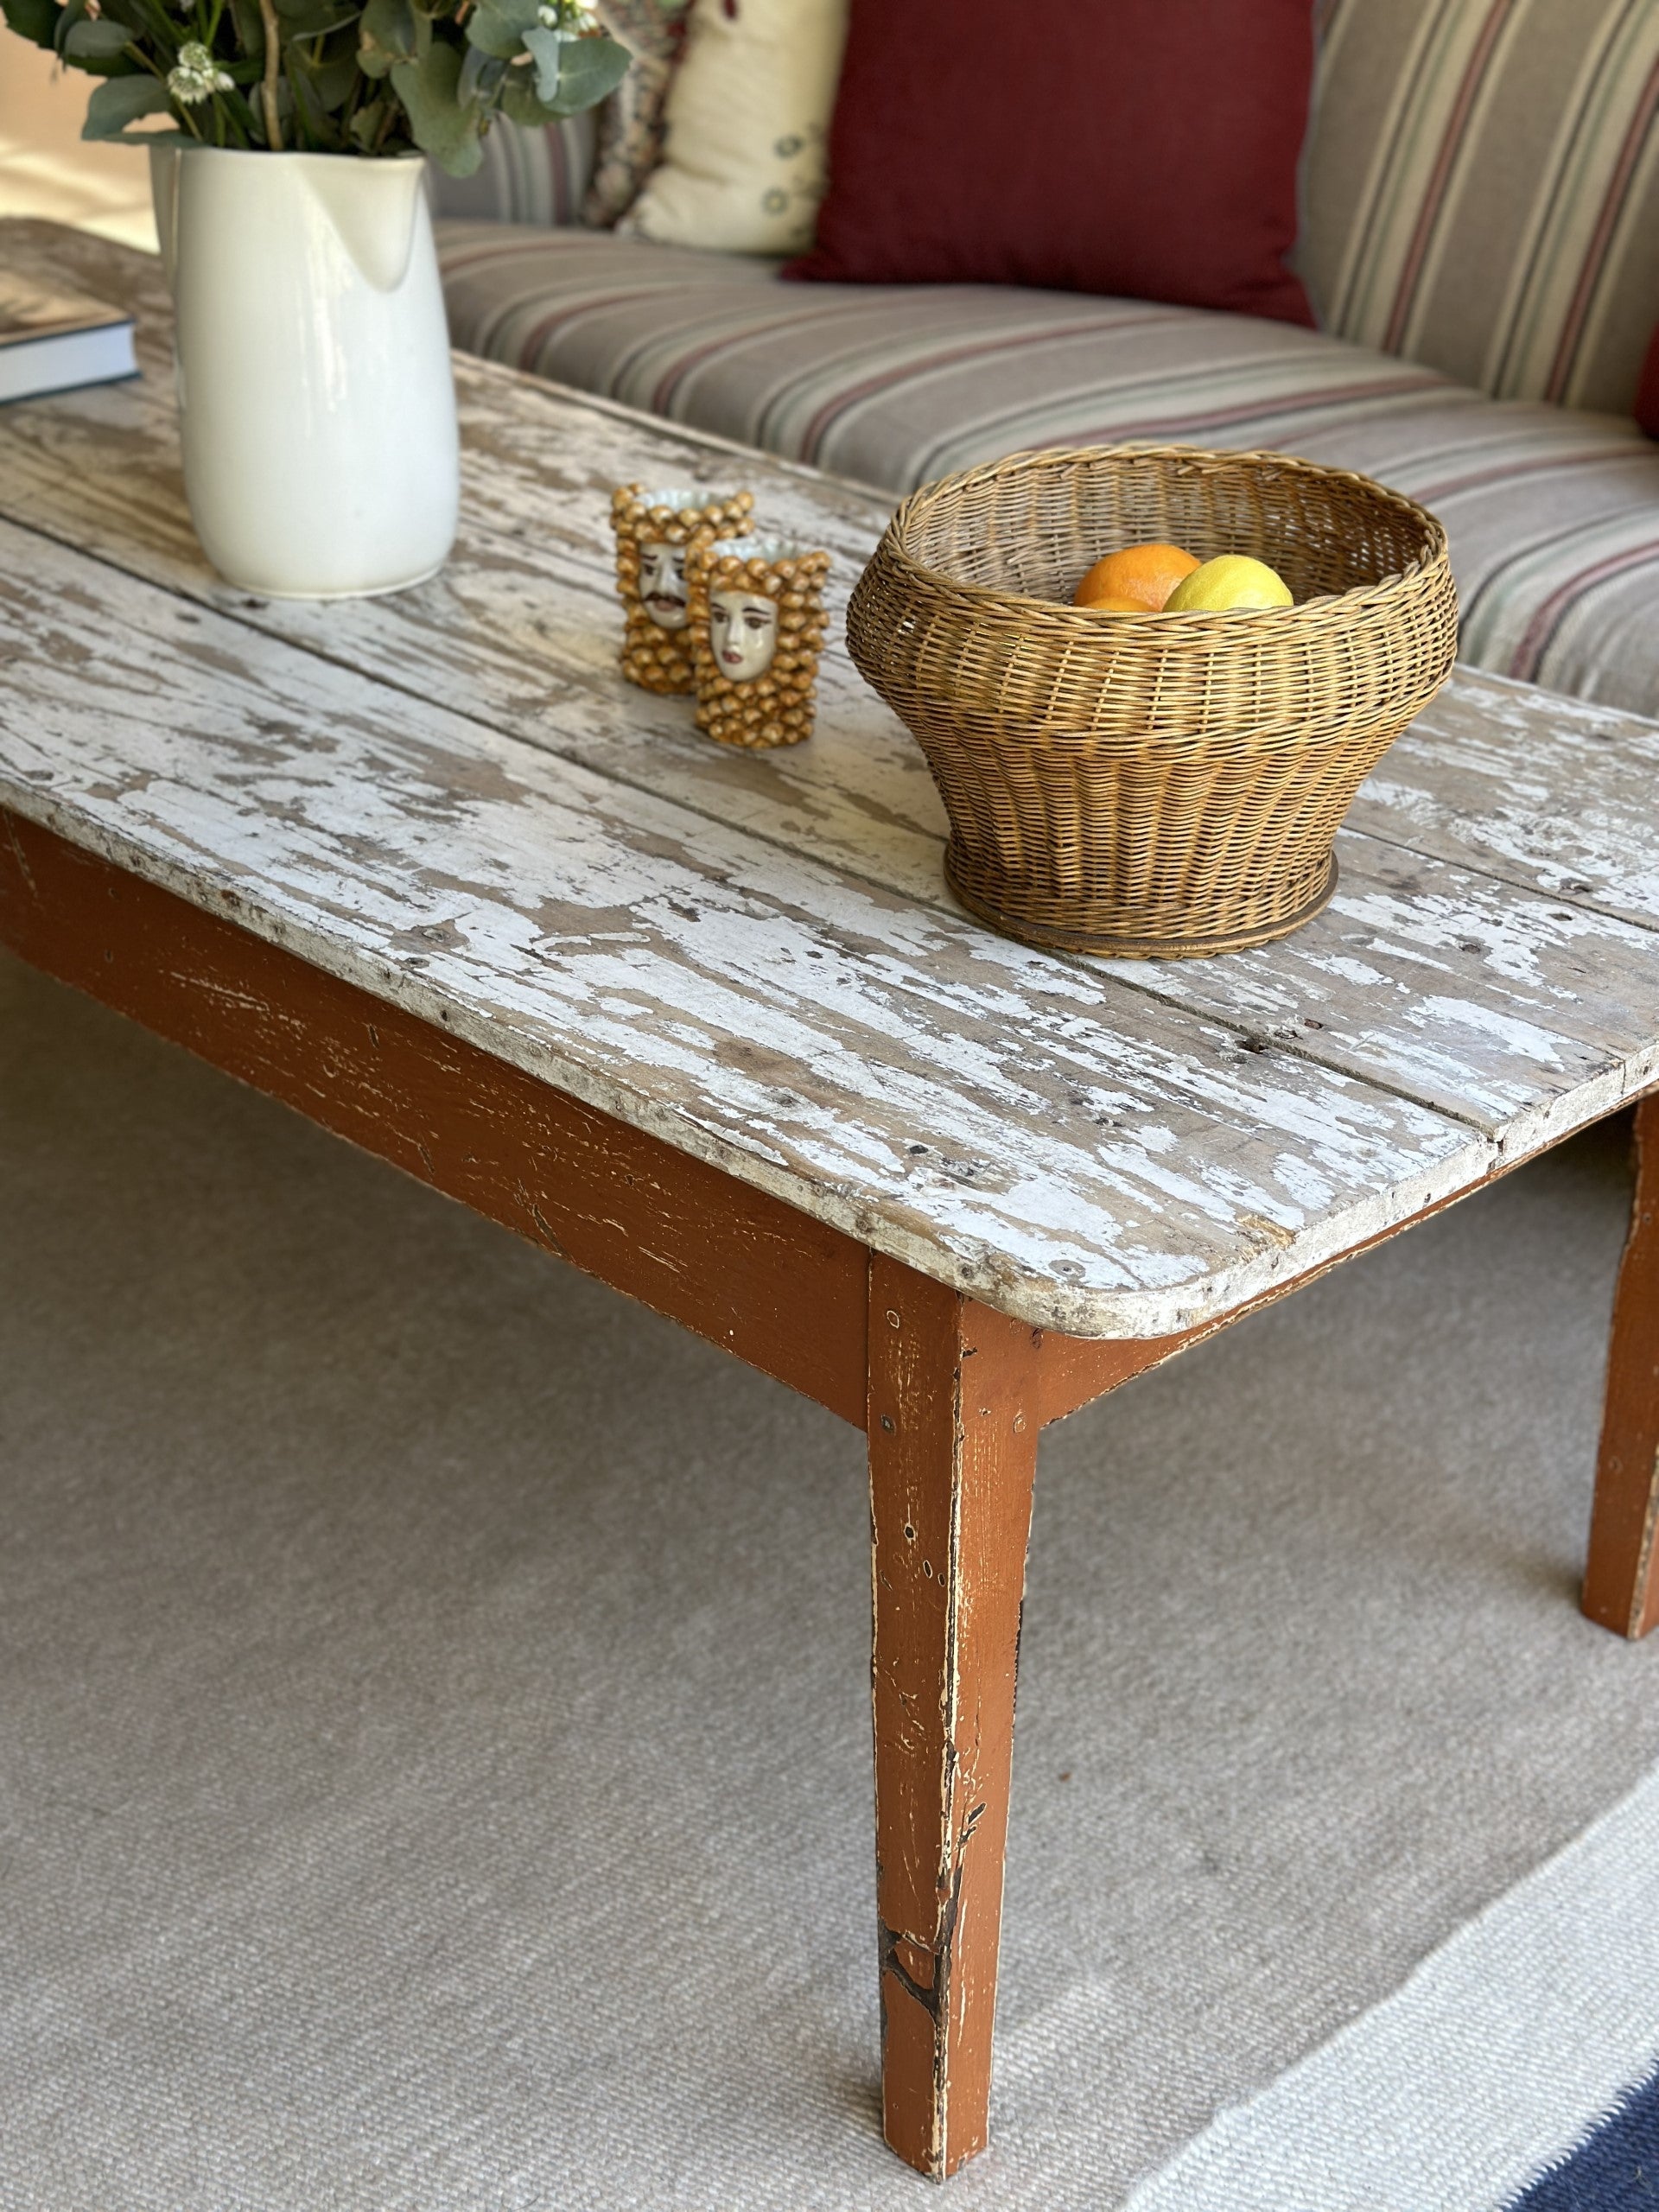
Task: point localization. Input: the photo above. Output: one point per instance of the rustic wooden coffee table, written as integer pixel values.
(710, 1028)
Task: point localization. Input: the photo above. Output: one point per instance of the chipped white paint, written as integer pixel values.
(1067, 1150)
(1557, 797)
(523, 626)
(1523, 1015)
(756, 958)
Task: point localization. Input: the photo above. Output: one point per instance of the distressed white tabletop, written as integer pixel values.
(450, 797)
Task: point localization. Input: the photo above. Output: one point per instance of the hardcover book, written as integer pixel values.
(53, 340)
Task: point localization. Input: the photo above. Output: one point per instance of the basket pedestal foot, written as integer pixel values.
(1127, 946)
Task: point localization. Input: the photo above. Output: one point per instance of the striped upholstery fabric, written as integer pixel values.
(1553, 515)
(1481, 190)
(526, 176)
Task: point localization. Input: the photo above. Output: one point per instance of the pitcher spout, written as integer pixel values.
(371, 206)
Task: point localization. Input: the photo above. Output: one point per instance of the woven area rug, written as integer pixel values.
(435, 1771)
(1518, 2066)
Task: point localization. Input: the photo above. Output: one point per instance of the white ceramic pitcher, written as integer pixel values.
(315, 398)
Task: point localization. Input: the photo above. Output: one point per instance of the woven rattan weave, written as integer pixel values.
(1162, 785)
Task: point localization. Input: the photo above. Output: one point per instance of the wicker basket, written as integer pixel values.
(1163, 784)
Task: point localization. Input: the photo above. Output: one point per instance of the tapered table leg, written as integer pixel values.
(1621, 1587)
(953, 1426)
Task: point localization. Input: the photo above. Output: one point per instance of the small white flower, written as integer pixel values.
(196, 76)
(569, 15)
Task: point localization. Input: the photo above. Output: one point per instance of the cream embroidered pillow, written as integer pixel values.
(749, 112)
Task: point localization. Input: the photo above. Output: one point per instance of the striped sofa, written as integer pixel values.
(1480, 238)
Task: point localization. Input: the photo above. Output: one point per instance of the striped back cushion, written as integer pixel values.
(526, 176)
(1481, 190)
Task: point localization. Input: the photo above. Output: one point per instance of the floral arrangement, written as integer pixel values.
(328, 76)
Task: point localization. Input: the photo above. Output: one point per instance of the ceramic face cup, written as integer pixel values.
(758, 628)
(653, 531)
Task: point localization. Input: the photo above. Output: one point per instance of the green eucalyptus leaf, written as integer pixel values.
(386, 33)
(84, 44)
(251, 128)
(482, 76)
(312, 19)
(93, 40)
(592, 70)
(513, 16)
(246, 20)
(365, 123)
(310, 116)
(328, 83)
(490, 32)
(35, 20)
(519, 103)
(546, 50)
(121, 100)
(441, 125)
(284, 114)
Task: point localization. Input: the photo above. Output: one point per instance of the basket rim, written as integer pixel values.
(915, 507)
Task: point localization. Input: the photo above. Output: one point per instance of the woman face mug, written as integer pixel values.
(742, 634)
(758, 624)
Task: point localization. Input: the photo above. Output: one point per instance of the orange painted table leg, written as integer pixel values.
(1621, 1582)
(953, 1425)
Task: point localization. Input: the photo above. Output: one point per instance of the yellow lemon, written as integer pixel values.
(1232, 580)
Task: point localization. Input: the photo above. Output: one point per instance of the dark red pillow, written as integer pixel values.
(1647, 396)
(1146, 147)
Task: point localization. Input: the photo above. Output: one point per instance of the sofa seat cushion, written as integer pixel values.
(1553, 515)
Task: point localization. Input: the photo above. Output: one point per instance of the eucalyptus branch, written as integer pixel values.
(273, 75)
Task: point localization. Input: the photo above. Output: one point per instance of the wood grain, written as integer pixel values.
(762, 1281)
(953, 1428)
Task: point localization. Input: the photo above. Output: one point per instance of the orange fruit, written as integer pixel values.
(1146, 575)
(1108, 605)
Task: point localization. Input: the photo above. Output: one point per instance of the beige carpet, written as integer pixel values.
(434, 1769)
